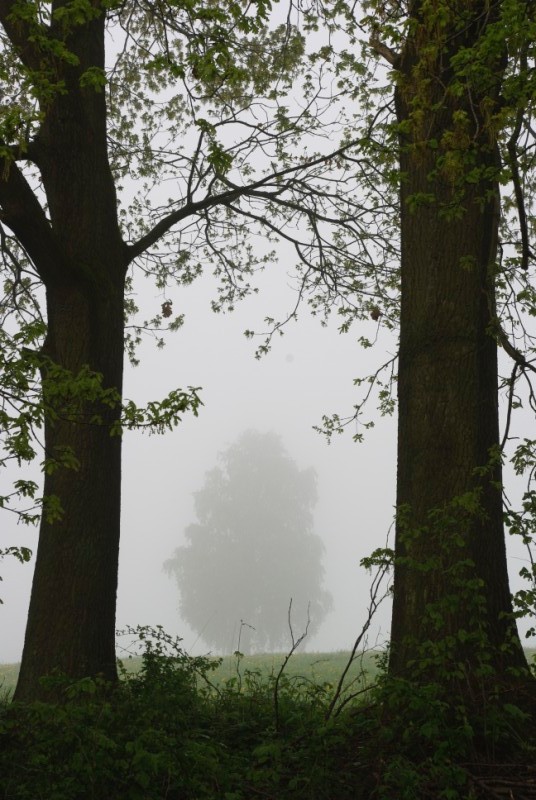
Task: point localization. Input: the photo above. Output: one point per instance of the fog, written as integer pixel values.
(308, 373)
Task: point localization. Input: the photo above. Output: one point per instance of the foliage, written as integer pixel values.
(36, 390)
(366, 51)
(164, 732)
(522, 523)
(252, 560)
(432, 741)
(168, 731)
(462, 702)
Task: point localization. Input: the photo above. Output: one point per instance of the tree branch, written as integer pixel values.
(516, 355)
(520, 202)
(511, 390)
(376, 599)
(23, 214)
(391, 56)
(20, 33)
(295, 644)
(511, 147)
(234, 193)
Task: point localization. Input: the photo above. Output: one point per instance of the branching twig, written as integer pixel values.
(375, 601)
(238, 653)
(295, 644)
(511, 390)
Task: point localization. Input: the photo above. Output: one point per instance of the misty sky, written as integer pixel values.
(309, 372)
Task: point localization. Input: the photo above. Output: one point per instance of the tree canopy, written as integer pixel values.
(252, 561)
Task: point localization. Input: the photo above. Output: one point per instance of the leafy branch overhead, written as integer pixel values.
(200, 100)
(213, 147)
(36, 389)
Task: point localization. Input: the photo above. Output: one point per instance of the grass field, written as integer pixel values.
(319, 668)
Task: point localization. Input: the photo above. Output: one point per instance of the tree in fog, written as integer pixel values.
(252, 550)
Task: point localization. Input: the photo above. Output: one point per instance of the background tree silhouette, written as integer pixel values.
(252, 550)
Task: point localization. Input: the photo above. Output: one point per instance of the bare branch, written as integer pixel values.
(295, 644)
(223, 198)
(376, 598)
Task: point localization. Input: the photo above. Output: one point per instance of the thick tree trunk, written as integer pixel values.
(71, 624)
(451, 591)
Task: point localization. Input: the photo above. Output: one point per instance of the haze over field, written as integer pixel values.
(308, 373)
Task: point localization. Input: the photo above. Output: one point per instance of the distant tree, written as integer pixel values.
(252, 550)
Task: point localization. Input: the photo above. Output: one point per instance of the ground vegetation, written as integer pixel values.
(170, 730)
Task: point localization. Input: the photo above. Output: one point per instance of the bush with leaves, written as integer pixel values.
(167, 732)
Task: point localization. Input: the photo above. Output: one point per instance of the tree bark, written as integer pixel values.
(71, 623)
(451, 581)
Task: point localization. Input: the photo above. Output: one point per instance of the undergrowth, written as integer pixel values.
(168, 731)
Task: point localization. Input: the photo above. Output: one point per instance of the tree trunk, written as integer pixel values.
(71, 624)
(451, 591)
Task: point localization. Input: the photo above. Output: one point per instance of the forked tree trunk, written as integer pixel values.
(451, 581)
(71, 624)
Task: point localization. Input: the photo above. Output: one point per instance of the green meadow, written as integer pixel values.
(321, 669)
